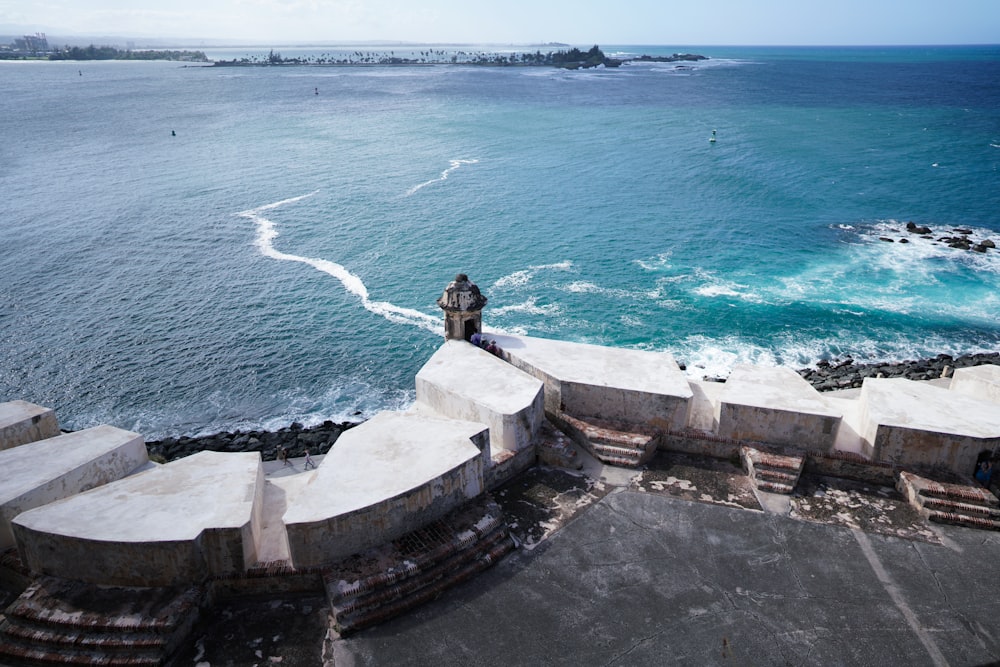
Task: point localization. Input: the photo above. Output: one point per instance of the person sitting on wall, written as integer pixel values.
(984, 473)
(493, 348)
(476, 339)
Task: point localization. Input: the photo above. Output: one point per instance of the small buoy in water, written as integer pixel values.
(172, 133)
(712, 140)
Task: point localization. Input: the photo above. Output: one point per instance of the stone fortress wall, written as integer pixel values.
(90, 506)
(98, 491)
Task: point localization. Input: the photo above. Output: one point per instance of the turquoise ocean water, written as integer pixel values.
(279, 258)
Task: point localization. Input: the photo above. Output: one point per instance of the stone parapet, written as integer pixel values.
(776, 406)
(42, 472)
(981, 382)
(635, 386)
(22, 422)
(383, 478)
(463, 382)
(911, 423)
(182, 522)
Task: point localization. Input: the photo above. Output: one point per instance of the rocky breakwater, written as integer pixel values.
(846, 374)
(675, 58)
(295, 438)
(956, 237)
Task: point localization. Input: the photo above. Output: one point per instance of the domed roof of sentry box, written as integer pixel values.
(461, 294)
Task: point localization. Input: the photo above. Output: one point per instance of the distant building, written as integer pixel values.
(32, 43)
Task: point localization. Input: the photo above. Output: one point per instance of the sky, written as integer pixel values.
(695, 22)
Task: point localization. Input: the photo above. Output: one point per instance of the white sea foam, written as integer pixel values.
(267, 232)
(658, 263)
(584, 287)
(564, 265)
(529, 307)
(706, 357)
(668, 67)
(713, 287)
(712, 291)
(516, 279)
(524, 276)
(454, 164)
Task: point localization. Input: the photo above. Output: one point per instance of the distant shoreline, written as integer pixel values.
(572, 59)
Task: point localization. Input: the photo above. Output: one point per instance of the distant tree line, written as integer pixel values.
(111, 53)
(572, 59)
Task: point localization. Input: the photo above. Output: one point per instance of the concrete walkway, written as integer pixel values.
(273, 469)
(282, 483)
(642, 579)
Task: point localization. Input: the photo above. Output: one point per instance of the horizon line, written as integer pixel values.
(237, 42)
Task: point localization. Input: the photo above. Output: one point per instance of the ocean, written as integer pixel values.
(193, 249)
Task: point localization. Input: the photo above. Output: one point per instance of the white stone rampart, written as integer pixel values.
(464, 382)
(178, 523)
(41, 472)
(383, 478)
(979, 381)
(775, 405)
(22, 422)
(635, 386)
(915, 423)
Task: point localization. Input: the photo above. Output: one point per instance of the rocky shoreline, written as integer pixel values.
(826, 376)
(846, 374)
(296, 438)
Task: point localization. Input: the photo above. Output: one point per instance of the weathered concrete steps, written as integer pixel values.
(380, 583)
(57, 622)
(956, 504)
(611, 442)
(772, 472)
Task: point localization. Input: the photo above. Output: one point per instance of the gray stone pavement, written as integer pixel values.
(645, 579)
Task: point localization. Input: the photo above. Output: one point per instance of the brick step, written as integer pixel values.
(954, 519)
(616, 434)
(87, 639)
(611, 442)
(956, 507)
(380, 605)
(958, 493)
(74, 606)
(415, 551)
(620, 461)
(380, 583)
(775, 487)
(776, 475)
(603, 451)
(58, 622)
(403, 579)
(20, 652)
(774, 461)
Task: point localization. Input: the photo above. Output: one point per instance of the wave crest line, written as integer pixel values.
(454, 164)
(267, 232)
